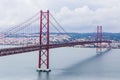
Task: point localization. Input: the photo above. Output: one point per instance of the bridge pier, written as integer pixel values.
(43, 62)
(43, 70)
(99, 40)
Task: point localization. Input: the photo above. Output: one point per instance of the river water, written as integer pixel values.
(65, 64)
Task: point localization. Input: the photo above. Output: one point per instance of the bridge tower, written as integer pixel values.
(99, 39)
(43, 63)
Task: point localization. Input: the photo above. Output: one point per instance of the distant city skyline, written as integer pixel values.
(73, 15)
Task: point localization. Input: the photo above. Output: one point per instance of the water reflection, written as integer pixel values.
(43, 76)
(71, 64)
(90, 66)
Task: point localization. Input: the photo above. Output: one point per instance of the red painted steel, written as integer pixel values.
(44, 45)
(99, 39)
(44, 40)
(19, 50)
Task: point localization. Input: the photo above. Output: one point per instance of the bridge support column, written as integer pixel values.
(43, 63)
(99, 39)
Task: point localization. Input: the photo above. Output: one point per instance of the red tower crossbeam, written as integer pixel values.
(43, 63)
(99, 39)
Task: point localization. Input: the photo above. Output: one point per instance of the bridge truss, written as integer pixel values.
(44, 38)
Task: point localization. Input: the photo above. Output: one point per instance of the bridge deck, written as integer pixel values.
(17, 50)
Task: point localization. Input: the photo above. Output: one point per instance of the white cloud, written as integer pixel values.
(85, 19)
(16, 11)
(74, 15)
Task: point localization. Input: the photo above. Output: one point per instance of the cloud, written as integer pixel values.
(74, 15)
(16, 11)
(84, 19)
(75, 19)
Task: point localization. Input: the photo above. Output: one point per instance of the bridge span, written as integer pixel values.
(44, 39)
(19, 50)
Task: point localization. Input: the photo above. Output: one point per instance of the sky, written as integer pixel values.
(73, 15)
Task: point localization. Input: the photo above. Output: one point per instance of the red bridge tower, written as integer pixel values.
(43, 63)
(99, 39)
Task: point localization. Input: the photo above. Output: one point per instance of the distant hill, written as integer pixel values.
(105, 35)
(90, 36)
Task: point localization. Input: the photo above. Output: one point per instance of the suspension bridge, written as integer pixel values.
(41, 23)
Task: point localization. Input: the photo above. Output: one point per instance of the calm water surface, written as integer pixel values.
(65, 63)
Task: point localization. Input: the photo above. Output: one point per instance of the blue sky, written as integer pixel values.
(73, 15)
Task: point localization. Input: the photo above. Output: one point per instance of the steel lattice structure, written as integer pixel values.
(44, 40)
(44, 46)
(99, 39)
